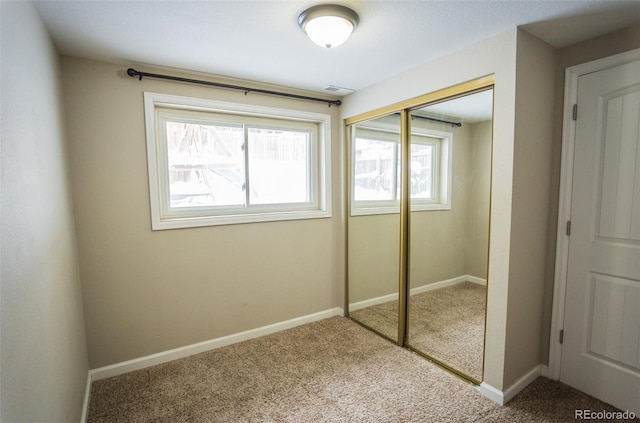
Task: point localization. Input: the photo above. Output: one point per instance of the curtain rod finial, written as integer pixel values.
(132, 72)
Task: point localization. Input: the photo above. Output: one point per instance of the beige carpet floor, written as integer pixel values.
(446, 324)
(333, 370)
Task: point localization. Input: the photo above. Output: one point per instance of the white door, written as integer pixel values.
(601, 348)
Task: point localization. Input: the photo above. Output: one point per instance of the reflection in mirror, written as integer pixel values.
(373, 224)
(447, 215)
(449, 230)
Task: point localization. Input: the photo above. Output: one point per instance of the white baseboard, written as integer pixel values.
(87, 394)
(373, 301)
(419, 290)
(521, 383)
(494, 394)
(544, 371)
(503, 397)
(477, 280)
(188, 350)
(438, 285)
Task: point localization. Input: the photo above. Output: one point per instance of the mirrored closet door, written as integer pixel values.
(374, 240)
(418, 234)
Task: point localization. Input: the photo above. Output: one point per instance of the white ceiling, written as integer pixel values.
(260, 40)
(472, 108)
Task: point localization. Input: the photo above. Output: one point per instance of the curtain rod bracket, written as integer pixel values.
(132, 72)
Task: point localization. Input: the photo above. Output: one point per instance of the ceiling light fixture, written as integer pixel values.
(328, 25)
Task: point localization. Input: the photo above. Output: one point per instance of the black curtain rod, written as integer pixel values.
(458, 124)
(132, 72)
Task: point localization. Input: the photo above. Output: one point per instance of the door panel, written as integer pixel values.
(601, 351)
(620, 193)
(614, 320)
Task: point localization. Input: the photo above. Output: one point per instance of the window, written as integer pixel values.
(213, 163)
(376, 169)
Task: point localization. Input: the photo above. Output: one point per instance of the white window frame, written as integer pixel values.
(443, 172)
(162, 107)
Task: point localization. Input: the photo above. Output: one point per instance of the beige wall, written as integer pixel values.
(479, 199)
(497, 56)
(150, 291)
(535, 70)
(374, 256)
(43, 356)
(586, 51)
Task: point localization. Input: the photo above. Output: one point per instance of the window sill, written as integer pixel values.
(368, 211)
(159, 224)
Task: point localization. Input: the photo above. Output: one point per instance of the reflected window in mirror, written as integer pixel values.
(376, 169)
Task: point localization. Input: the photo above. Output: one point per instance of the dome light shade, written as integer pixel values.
(328, 25)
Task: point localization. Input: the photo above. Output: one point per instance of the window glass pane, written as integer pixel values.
(279, 166)
(422, 156)
(374, 175)
(206, 165)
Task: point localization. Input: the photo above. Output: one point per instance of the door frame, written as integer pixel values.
(572, 74)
